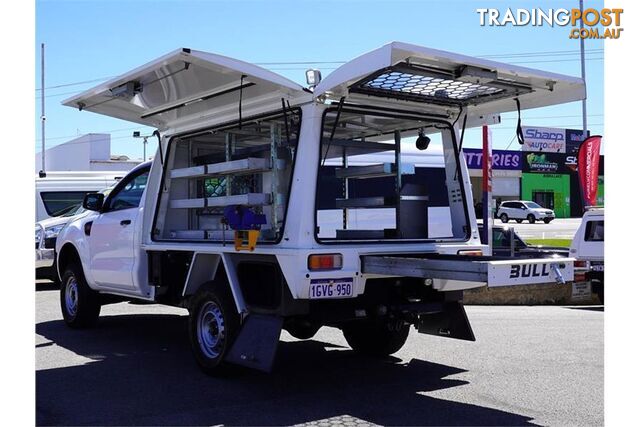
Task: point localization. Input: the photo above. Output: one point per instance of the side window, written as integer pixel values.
(500, 239)
(129, 195)
(594, 231)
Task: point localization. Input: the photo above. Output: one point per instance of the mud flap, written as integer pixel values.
(256, 344)
(452, 322)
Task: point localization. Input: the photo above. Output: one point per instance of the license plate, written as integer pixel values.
(597, 267)
(331, 288)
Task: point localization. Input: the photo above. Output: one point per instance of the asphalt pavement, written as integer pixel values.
(539, 365)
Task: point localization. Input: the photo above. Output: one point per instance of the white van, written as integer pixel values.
(59, 192)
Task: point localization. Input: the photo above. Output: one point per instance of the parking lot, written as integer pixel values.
(538, 365)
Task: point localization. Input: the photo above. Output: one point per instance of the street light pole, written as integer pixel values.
(42, 116)
(582, 66)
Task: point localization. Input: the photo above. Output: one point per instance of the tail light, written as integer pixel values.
(470, 252)
(580, 264)
(325, 262)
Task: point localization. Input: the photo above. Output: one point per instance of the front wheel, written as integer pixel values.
(531, 219)
(79, 303)
(376, 338)
(547, 220)
(213, 326)
(504, 218)
(519, 221)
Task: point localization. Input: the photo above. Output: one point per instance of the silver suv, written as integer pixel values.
(521, 210)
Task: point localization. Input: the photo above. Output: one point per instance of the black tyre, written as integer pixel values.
(519, 221)
(504, 218)
(531, 219)
(302, 330)
(376, 338)
(79, 303)
(547, 220)
(600, 294)
(213, 326)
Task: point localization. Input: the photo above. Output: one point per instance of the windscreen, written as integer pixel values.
(386, 177)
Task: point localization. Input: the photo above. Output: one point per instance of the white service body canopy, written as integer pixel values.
(185, 85)
(430, 80)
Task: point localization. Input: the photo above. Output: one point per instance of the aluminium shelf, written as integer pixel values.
(249, 199)
(366, 202)
(374, 171)
(233, 167)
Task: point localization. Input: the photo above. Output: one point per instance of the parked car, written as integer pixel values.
(502, 246)
(522, 209)
(57, 192)
(588, 248)
(46, 234)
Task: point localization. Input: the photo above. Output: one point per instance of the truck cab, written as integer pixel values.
(269, 205)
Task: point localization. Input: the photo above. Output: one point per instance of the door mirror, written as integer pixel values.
(93, 201)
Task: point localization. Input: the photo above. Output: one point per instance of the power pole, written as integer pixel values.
(42, 116)
(584, 101)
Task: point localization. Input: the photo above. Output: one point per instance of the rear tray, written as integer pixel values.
(494, 271)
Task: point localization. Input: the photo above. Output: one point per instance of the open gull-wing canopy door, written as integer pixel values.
(436, 81)
(184, 85)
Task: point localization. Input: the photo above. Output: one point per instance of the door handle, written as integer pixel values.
(125, 222)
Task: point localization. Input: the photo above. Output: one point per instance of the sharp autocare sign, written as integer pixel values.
(546, 140)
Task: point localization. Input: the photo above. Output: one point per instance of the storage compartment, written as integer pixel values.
(246, 164)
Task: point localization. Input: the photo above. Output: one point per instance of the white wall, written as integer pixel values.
(90, 152)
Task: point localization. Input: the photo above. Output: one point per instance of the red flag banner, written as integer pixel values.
(588, 163)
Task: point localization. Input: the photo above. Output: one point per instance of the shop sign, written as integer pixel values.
(543, 162)
(545, 140)
(501, 159)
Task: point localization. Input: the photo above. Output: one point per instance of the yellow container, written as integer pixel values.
(245, 240)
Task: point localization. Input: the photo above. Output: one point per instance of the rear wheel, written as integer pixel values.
(504, 218)
(531, 218)
(79, 303)
(213, 326)
(376, 338)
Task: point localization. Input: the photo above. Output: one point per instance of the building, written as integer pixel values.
(90, 152)
(544, 171)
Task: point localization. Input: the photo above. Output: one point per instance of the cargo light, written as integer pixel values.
(325, 262)
(470, 252)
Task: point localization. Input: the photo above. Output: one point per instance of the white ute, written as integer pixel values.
(256, 215)
(587, 248)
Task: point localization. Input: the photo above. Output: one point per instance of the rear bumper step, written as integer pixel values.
(493, 271)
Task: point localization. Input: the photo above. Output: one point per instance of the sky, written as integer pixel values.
(88, 42)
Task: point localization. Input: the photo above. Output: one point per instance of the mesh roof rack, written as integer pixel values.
(460, 87)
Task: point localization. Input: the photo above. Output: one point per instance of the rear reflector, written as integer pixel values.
(470, 252)
(325, 262)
